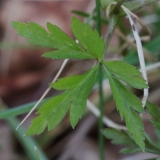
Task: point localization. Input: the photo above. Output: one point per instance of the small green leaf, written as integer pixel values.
(126, 103)
(66, 53)
(118, 137)
(127, 73)
(88, 38)
(74, 98)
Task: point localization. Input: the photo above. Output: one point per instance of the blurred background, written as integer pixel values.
(25, 75)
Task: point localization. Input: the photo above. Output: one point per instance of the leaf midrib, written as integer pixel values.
(84, 52)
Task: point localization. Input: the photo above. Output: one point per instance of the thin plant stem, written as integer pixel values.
(100, 124)
(98, 18)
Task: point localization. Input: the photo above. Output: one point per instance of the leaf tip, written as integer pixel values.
(73, 17)
(13, 23)
(73, 124)
(48, 24)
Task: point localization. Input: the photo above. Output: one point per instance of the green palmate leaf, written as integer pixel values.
(127, 73)
(127, 104)
(74, 98)
(88, 38)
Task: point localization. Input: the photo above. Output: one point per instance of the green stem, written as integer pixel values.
(100, 126)
(98, 16)
(111, 26)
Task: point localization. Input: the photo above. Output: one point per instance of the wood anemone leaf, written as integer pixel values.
(75, 97)
(126, 73)
(127, 104)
